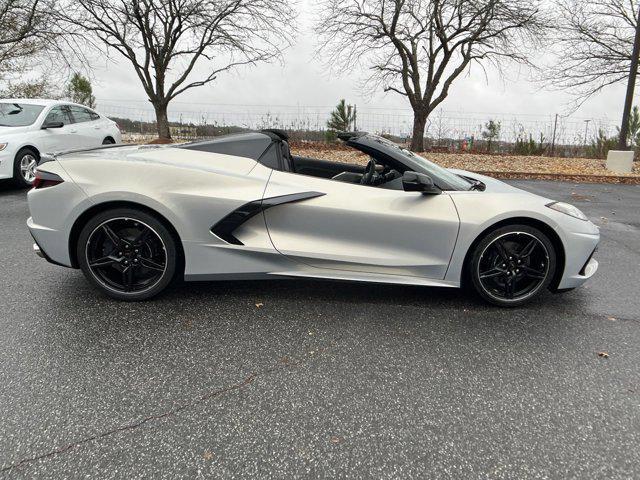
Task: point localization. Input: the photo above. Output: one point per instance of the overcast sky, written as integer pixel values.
(302, 80)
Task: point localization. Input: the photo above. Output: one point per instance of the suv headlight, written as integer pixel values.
(3, 146)
(568, 209)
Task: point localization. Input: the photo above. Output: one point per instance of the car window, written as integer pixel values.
(81, 114)
(59, 114)
(270, 158)
(18, 114)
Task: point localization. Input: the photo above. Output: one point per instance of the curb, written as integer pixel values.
(558, 177)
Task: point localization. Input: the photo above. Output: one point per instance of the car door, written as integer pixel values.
(335, 225)
(58, 139)
(88, 125)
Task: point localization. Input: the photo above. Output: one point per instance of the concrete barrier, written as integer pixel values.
(620, 161)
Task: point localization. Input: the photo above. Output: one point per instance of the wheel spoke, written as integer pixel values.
(127, 278)
(528, 249)
(501, 249)
(152, 265)
(112, 235)
(142, 236)
(492, 273)
(511, 287)
(104, 262)
(532, 273)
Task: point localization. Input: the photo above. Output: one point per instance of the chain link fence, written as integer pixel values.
(569, 135)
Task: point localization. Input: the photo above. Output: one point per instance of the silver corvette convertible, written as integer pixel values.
(135, 218)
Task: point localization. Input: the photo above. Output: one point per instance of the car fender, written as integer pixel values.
(135, 198)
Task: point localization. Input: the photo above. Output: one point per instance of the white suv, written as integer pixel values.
(29, 128)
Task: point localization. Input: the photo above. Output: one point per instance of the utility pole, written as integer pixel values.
(553, 141)
(586, 130)
(355, 118)
(628, 102)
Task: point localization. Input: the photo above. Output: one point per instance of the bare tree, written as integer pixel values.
(33, 42)
(593, 45)
(418, 48)
(165, 40)
(594, 48)
(23, 25)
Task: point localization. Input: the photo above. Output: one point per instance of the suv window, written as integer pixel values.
(81, 114)
(59, 114)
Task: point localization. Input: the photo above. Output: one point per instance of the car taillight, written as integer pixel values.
(46, 179)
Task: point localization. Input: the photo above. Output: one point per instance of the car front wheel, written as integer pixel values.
(127, 254)
(512, 265)
(24, 167)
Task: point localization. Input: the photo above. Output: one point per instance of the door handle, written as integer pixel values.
(97, 128)
(73, 131)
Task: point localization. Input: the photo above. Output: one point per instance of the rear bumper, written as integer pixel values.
(42, 254)
(37, 250)
(50, 244)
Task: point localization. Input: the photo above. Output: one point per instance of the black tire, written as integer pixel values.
(127, 254)
(503, 274)
(20, 178)
(108, 141)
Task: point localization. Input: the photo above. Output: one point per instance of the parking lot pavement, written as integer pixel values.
(303, 378)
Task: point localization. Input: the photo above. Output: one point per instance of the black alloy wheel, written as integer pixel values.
(128, 254)
(512, 265)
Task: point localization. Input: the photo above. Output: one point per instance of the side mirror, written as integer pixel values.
(46, 125)
(419, 182)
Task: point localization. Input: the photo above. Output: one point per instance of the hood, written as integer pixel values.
(497, 186)
(493, 185)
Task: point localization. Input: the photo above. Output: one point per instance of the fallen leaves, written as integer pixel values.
(259, 305)
(603, 354)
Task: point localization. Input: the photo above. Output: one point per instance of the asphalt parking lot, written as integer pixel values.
(297, 378)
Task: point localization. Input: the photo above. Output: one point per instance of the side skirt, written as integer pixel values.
(321, 274)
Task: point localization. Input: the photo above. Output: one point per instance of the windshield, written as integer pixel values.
(18, 114)
(436, 172)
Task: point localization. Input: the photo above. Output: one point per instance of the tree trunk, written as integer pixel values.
(624, 128)
(417, 138)
(162, 120)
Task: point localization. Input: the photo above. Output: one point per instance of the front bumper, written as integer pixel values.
(580, 265)
(6, 163)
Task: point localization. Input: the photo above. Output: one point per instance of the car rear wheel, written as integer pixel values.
(512, 265)
(127, 253)
(108, 141)
(24, 167)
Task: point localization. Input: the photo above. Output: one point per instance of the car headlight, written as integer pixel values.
(3, 146)
(568, 209)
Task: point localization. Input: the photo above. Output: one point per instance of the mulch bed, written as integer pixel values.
(581, 170)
